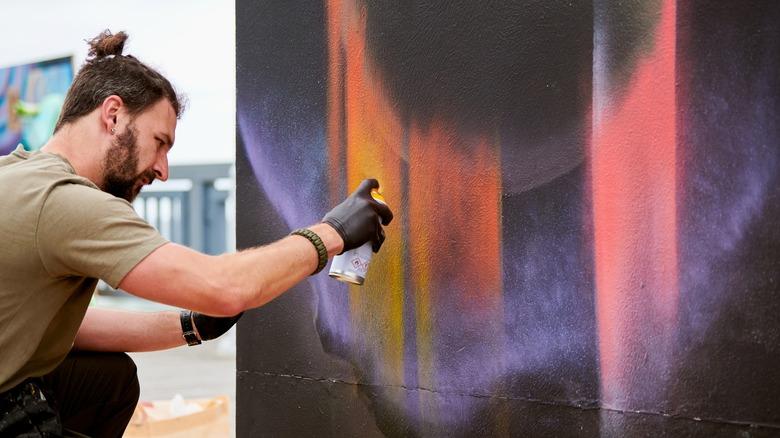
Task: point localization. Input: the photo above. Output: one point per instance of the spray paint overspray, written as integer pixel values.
(586, 198)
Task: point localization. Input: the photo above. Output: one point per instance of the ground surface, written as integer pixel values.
(204, 371)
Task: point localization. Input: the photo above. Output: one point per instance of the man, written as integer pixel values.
(66, 221)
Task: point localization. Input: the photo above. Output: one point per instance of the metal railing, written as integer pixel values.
(191, 208)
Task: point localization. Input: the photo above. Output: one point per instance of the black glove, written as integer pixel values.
(212, 327)
(359, 218)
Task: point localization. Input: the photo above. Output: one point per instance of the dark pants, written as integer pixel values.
(94, 393)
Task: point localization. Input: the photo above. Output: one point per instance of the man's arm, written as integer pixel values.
(227, 284)
(115, 330)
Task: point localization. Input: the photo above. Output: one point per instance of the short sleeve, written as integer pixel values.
(83, 231)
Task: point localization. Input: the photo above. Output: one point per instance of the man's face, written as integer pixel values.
(138, 155)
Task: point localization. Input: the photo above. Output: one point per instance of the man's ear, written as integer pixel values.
(111, 107)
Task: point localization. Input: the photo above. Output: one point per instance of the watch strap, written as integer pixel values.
(187, 328)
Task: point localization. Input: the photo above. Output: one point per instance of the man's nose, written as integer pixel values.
(161, 168)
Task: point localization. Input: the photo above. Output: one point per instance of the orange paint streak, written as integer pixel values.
(453, 212)
(456, 187)
(454, 244)
(335, 100)
(633, 159)
(370, 144)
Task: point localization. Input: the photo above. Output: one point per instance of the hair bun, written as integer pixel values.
(106, 44)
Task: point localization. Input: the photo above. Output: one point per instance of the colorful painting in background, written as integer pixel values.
(31, 97)
(586, 211)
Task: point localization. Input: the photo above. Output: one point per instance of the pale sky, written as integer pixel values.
(192, 42)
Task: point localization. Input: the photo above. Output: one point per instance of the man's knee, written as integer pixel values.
(128, 376)
(94, 390)
(123, 376)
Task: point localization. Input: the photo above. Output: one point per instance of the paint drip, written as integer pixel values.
(352, 266)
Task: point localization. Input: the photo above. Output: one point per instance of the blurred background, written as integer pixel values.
(192, 43)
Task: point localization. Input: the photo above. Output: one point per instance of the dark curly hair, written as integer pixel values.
(107, 72)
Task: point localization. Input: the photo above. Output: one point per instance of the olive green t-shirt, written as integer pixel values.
(59, 234)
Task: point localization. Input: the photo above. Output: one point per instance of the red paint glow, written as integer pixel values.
(633, 169)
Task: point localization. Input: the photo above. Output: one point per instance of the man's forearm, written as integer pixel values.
(261, 274)
(115, 330)
(227, 284)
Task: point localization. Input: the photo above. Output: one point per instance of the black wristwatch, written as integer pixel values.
(187, 330)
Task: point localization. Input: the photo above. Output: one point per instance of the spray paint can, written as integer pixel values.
(351, 266)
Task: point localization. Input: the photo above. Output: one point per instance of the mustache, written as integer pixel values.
(149, 175)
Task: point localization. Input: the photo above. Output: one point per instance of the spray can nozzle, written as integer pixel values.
(377, 195)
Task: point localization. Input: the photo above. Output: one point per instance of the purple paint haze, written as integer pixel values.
(731, 166)
(290, 169)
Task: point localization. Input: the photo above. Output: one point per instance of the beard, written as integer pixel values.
(120, 164)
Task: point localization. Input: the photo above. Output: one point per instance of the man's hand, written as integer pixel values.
(212, 327)
(359, 218)
(117, 330)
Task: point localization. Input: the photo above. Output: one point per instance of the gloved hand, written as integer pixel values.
(359, 218)
(212, 327)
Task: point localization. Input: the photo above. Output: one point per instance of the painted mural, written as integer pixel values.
(586, 220)
(31, 96)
